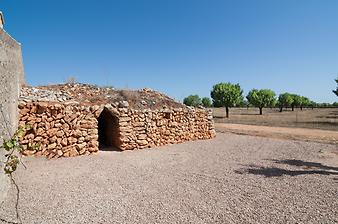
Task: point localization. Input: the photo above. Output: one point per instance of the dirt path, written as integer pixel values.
(304, 134)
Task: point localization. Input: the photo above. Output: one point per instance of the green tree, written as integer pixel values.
(285, 100)
(227, 95)
(206, 102)
(193, 101)
(312, 104)
(245, 103)
(297, 101)
(305, 102)
(336, 91)
(262, 98)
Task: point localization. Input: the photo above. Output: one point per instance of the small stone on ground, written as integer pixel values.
(230, 179)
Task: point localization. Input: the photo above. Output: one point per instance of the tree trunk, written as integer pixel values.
(260, 110)
(280, 109)
(301, 108)
(293, 108)
(227, 112)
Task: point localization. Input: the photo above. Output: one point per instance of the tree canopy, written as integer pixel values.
(227, 95)
(192, 100)
(297, 101)
(304, 102)
(206, 102)
(262, 98)
(285, 100)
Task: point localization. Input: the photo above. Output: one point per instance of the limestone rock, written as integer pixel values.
(123, 104)
(66, 129)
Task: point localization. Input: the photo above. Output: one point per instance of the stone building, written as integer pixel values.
(77, 119)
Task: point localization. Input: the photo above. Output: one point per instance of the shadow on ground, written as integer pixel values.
(109, 149)
(309, 165)
(307, 169)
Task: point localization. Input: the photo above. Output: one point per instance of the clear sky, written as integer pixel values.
(180, 47)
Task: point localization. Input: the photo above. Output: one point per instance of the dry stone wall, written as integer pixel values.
(59, 130)
(147, 128)
(68, 129)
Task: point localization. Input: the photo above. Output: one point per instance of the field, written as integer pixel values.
(230, 179)
(317, 118)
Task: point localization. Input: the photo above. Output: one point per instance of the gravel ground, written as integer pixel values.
(230, 179)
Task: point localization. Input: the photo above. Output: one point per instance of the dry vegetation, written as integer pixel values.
(94, 95)
(318, 118)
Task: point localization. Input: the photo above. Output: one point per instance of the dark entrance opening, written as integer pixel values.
(108, 125)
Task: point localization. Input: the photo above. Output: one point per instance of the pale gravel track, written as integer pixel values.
(231, 179)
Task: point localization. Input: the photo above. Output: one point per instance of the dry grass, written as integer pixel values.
(318, 118)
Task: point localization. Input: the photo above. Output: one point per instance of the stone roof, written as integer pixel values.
(94, 95)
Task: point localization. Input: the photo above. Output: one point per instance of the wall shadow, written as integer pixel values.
(109, 149)
(296, 162)
(308, 169)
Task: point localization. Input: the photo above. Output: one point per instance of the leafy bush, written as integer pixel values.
(12, 148)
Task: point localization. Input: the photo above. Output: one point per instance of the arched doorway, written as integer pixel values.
(109, 133)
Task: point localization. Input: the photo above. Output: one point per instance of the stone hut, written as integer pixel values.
(77, 119)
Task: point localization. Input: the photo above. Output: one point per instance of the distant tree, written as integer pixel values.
(192, 100)
(323, 105)
(285, 100)
(336, 91)
(305, 102)
(312, 104)
(297, 101)
(245, 103)
(262, 98)
(241, 103)
(206, 102)
(227, 95)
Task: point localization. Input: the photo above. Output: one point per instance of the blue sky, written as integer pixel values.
(180, 47)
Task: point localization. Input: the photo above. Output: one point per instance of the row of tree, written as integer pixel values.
(231, 95)
(195, 101)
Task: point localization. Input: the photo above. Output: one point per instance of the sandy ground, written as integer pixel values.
(305, 134)
(230, 179)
